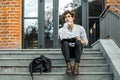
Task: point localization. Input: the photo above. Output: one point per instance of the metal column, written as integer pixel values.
(85, 16)
(41, 23)
(23, 24)
(55, 23)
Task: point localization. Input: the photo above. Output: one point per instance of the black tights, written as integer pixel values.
(66, 50)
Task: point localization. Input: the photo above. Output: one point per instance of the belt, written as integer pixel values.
(70, 40)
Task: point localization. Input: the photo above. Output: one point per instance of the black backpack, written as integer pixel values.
(40, 64)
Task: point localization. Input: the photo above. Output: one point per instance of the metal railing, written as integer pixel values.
(110, 24)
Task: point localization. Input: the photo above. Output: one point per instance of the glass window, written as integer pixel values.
(74, 5)
(48, 23)
(30, 33)
(95, 7)
(31, 8)
(30, 23)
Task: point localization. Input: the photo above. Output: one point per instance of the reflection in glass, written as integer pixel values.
(31, 8)
(95, 7)
(31, 22)
(68, 5)
(48, 23)
(30, 33)
(74, 5)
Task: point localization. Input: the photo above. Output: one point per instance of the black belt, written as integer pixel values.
(69, 40)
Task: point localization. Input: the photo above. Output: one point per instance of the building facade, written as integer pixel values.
(11, 31)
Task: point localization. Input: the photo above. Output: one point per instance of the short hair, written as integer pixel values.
(68, 12)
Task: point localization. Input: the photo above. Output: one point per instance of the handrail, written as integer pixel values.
(107, 8)
(100, 17)
(109, 24)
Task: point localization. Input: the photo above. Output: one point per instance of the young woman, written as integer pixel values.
(72, 35)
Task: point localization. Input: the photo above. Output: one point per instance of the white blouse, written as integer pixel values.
(65, 33)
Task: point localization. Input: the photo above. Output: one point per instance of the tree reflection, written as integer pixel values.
(30, 37)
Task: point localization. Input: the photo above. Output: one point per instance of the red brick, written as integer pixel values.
(5, 9)
(113, 2)
(4, 21)
(11, 24)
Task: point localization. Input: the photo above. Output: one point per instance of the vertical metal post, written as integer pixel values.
(55, 23)
(103, 4)
(85, 16)
(41, 23)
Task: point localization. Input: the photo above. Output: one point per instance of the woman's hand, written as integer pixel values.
(70, 25)
(78, 38)
(82, 41)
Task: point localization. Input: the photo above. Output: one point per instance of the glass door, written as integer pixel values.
(30, 24)
(72, 5)
(40, 25)
(48, 24)
(37, 24)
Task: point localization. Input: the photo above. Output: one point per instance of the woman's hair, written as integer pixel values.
(68, 12)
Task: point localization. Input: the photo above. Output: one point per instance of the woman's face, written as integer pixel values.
(69, 18)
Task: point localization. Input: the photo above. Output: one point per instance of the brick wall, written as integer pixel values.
(113, 2)
(10, 23)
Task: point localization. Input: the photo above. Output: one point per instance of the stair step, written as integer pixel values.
(47, 55)
(51, 57)
(5, 61)
(59, 68)
(38, 50)
(57, 76)
(14, 65)
(42, 52)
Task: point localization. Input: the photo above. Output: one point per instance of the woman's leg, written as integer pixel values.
(78, 53)
(66, 54)
(65, 50)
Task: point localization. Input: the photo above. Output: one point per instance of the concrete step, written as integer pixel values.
(57, 76)
(91, 49)
(25, 61)
(14, 65)
(47, 55)
(59, 68)
(41, 50)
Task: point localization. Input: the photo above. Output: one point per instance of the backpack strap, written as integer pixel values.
(30, 70)
(41, 69)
